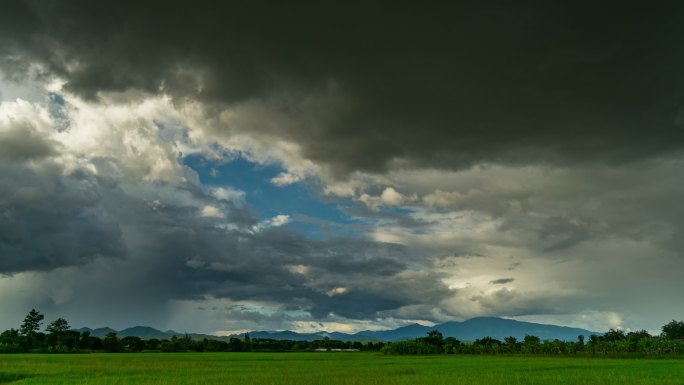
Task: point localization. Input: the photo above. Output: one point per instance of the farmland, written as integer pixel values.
(331, 368)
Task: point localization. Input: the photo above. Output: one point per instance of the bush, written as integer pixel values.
(61, 349)
(410, 347)
(10, 348)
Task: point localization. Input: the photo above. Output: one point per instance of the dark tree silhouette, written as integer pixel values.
(674, 330)
(58, 326)
(31, 323)
(111, 343)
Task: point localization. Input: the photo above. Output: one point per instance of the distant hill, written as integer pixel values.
(468, 330)
(501, 328)
(479, 327)
(290, 335)
(137, 331)
(402, 333)
(146, 332)
(98, 332)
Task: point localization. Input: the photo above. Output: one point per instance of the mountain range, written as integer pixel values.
(468, 330)
(136, 331)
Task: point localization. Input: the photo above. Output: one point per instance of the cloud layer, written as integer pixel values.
(488, 159)
(361, 87)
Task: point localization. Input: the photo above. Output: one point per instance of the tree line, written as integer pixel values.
(615, 342)
(59, 338)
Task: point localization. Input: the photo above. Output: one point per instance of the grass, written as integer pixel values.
(330, 368)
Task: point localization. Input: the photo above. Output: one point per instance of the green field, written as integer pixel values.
(330, 368)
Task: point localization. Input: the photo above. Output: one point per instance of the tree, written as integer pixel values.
(152, 344)
(595, 344)
(488, 345)
(531, 344)
(511, 344)
(236, 344)
(409, 347)
(30, 327)
(133, 343)
(247, 345)
(451, 344)
(434, 338)
(111, 343)
(31, 323)
(58, 332)
(614, 335)
(10, 341)
(635, 337)
(9, 336)
(674, 330)
(58, 326)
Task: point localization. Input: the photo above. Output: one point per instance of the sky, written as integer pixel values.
(218, 167)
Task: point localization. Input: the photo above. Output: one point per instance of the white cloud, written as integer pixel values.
(246, 128)
(18, 111)
(337, 291)
(228, 194)
(391, 197)
(11, 91)
(592, 320)
(277, 221)
(285, 178)
(209, 211)
(342, 190)
(300, 269)
(127, 137)
(388, 197)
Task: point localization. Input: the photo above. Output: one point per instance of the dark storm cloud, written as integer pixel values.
(21, 142)
(171, 253)
(48, 220)
(441, 85)
(559, 233)
(238, 266)
(168, 251)
(371, 87)
(138, 244)
(501, 281)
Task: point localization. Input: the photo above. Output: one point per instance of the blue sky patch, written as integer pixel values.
(311, 213)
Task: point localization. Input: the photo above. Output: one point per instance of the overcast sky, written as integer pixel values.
(260, 165)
